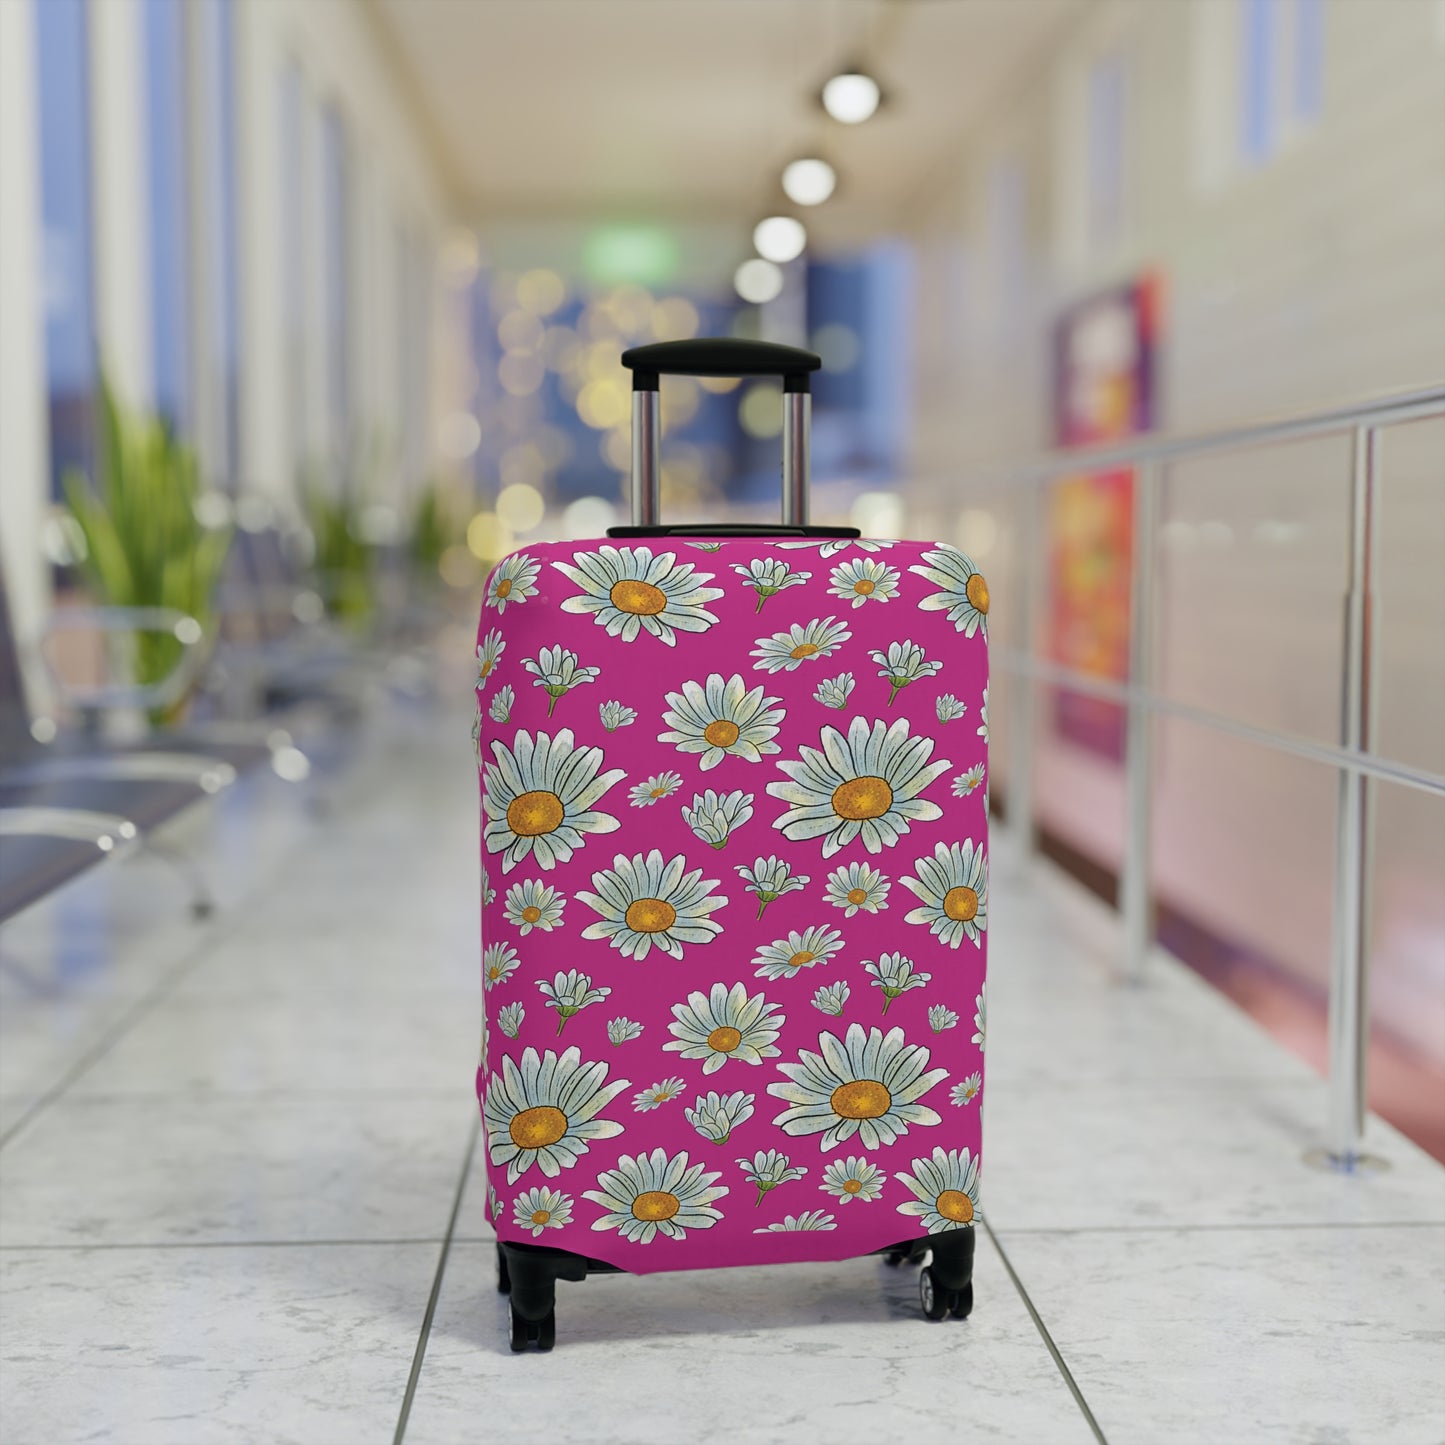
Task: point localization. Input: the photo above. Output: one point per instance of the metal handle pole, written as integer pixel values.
(1349, 1012)
(646, 450)
(797, 444)
(1134, 889)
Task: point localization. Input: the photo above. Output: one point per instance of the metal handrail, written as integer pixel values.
(1358, 767)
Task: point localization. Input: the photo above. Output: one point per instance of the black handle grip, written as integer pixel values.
(720, 356)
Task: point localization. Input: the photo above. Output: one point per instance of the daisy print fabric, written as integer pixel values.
(734, 849)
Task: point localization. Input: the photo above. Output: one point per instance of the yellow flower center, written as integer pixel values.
(529, 814)
(531, 913)
(976, 590)
(861, 1099)
(863, 586)
(866, 797)
(489, 663)
(969, 1090)
(504, 587)
(960, 904)
(801, 960)
(954, 1204)
(650, 915)
(852, 1186)
(804, 649)
(640, 598)
(857, 895)
(536, 1128)
(722, 733)
(655, 1205)
(658, 792)
(541, 1216)
(724, 1040)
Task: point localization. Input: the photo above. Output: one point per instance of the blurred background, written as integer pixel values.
(312, 310)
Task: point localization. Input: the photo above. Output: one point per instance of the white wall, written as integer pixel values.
(1314, 277)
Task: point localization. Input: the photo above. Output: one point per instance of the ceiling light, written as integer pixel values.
(809, 182)
(758, 280)
(780, 238)
(851, 97)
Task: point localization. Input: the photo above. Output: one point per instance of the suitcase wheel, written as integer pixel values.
(939, 1302)
(504, 1275)
(542, 1333)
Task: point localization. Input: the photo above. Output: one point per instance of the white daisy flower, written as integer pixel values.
(865, 784)
(557, 670)
(862, 579)
(713, 816)
(868, 1083)
(544, 1110)
(788, 957)
(830, 546)
(540, 798)
(720, 719)
(494, 1204)
(542, 1208)
(623, 1030)
(768, 576)
(534, 904)
(725, 1024)
(945, 1190)
(853, 1178)
(616, 715)
(949, 708)
(482, 1058)
(489, 894)
(983, 718)
(964, 594)
(980, 1017)
(766, 1170)
(769, 878)
(715, 1115)
(788, 651)
(902, 663)
(647, 902)
(499, 963)
(489, 650)
(569, 993)
(809, 1220)
(650, 1194)
(968, 1090)
(953, 889)
(834, 691)
(649, 790)
(966, 783)
(477, 734)
(628, 590)
(940, 1018)
(831, 997)
(513, 581)
(858, 885)
(500, 707)
(657, 1095)
(509, 1019)
(895, 976)
(706, 546)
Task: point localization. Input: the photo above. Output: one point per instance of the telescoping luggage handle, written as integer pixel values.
(720, 356)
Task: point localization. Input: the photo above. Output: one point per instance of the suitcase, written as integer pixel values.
(734, 888)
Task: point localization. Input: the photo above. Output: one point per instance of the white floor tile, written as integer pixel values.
(166, 1169)
(835, 1352)
(290, 1346)
(1256, 1337)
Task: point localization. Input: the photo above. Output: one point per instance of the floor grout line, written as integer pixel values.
(1047, 1338)
(436, 1288)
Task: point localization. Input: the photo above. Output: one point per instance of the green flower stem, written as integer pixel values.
(721, 844)
(563, 1014)
(897, 684)
(763, 594)
(553, 693)
(764, 899)
(763, 1188)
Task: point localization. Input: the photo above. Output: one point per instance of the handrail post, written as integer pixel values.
(1134, 884)
(1022, 688)
(1349, 1008)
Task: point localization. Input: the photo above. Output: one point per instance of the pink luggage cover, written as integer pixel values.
(735, 896)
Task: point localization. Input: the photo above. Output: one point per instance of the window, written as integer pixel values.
(167, 123)
(68, 288)
(1281, 72)
(335, 223)
(293, 260)
(1106, 130)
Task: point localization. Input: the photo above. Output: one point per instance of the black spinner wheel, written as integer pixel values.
(521, 1333)
(961, 1305)
(932, 1295)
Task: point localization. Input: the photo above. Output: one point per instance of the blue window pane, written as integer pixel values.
(334, 197)
(167, 124)
(1106, 150)
(69, 302)
(222, 363)
(1309, 58)
(1256, 88)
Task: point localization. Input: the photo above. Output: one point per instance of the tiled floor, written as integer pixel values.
(240, 1191)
